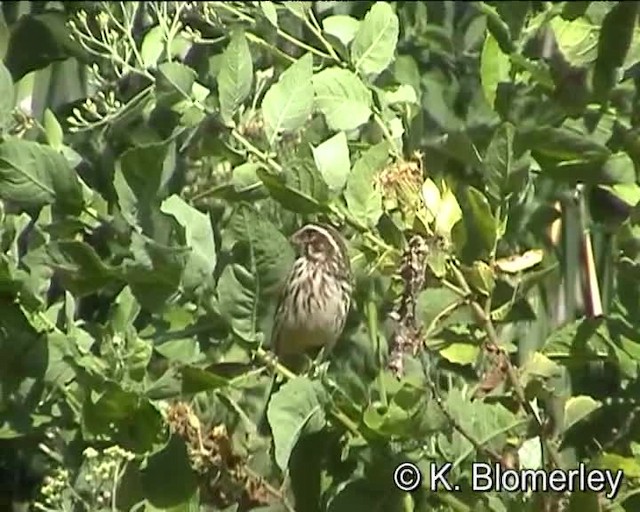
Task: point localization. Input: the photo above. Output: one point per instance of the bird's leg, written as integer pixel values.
(320, 364)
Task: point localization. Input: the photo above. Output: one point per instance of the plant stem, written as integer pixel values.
(269, 359)
(314, 26)
(494, 342)
(288, 37)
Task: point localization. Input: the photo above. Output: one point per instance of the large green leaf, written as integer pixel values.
(235, 76)
(138, 179)
(300, 188)
(287, 104)
(373, 47)
(247, 293)
(199, 238)
(33, 175)
(154, 270)
(271, 254)
(342, 27)
(342, 97)
(363, 195)
(79, 267)
(27, 53)
(476, 235)
(332, 159)
(486, 421)
(495, 68)
(506, 168)
(614, 42)
(162, 492)
(174, 83)
(577, 39)
(7, 98)
(296, 410)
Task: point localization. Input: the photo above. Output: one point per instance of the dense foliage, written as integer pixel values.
(481, 159)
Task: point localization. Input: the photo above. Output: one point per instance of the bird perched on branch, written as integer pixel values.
(316, 296)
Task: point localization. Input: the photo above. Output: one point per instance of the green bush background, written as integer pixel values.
(482, 160)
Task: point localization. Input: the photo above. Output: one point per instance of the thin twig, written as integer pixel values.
(461, 430)
(269, 359)
(494, 343)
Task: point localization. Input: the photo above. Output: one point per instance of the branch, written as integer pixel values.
(494, 344)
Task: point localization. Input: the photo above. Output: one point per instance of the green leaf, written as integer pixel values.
(563, 143)
(481, 277)
(363, 196)
(614, 43)
(236, 75)
(290, 198)
(440, 307)
(295, 410)
(197, 380)
(270, 12)
(126, 416)
(124, 312)
(245, 295)
(7, 98)
(33, 175)
(480, 226)
(506, 171)
(182, 351)
(154, 271)
(461, 353)
(79, 267)
(498, 28)
(53, 130)
(630, 466)
(539, 367)
(245, 178)
(401, 416)
(287, 104)
(577, 40)
(530, 453)
(577, 409)
(495, 68)
(561, 342)
(332, 160)
(300, 9)
(153, 46)
(54, 43)
(342, 27)
(174, 83)
(164, 492)
(442, 207)
(238, 300)
(199, 238)
(480, 420)
(401, 94)
(515, 17)
(272, 255)
(374, 45)
(300, 188)
(627, 192)
(140, 174)
(343, 99)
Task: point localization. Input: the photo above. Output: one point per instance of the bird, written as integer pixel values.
(314, 301)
